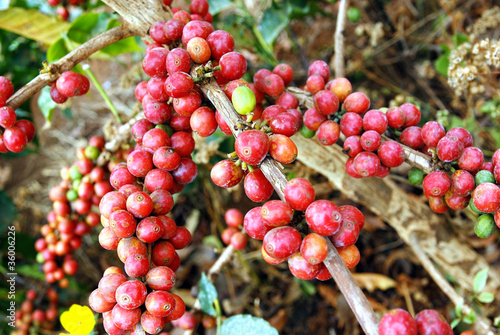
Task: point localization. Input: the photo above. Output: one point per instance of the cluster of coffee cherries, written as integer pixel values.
(427, 322)
(29, 316)
(14, 134)
(82, 187)
(63, 7)
(69, 84)
(471, 181)
(233, 234)
(281, 229)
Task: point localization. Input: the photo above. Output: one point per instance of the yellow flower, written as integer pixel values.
(78, 320)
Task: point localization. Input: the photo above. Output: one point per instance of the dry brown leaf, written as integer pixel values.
(374, 281)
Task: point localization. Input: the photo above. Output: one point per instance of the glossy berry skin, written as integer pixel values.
(326, 102)
(271, 260)
(455, 201)
(299, 193)
(139, 204)
(412, 137)
(431, 322)
(257, 187)
(72, 84)
(323, 217)
(233, 65)
(282, 148)
(285, 124)
(151, 324)
(397, 322)
(139, 162)
(351, 124)
(178, 60)
(328, 133)
(186, 172)
(356, 102)
(181, 238)
(314, 248)
(462, 134)
(187, 104)
(320, 68)
(7, 117)
(285, 71)
(471, 159)
(370, 140)
(254, 225)
(220, 42)
(161, 278)
(412, 115)
(438, 204)
(98, 303)
(111, 202)
(313, 119)
(178, 310)
(282, 242)
(149, 229)
(122, 223)
(366, 164)
(163, 253)
(449, 148)
(183, 143)
(432, 132)
(274, 85)
(375, 120)
(395, 117)
(109, 284)
(462, 183)
(252, 146)
(203, 122)
(160, 303)
(199, 50)
(341, 87)
(436, 184)
(226, 173)
(352, 223)
(391, 154)
(486, 197)
(276, 213)
(233, 218)
(166, 158)
(352, 146)
(125, 318)
(158, 179)
(239, 240)
(131, 294)
(302, 269)
(15, 139)
(315, 83)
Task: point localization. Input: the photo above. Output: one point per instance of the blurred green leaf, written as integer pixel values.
(458, 309)
(30, 270)
(213, 241)
(248, 325)
(458, 39)
(207, 295)
(470, 318)
(46, 104)
(454, 323)
(217, 6)
(126, 45)
(81, 29)
(9, 211)
(441, 64)
(57, 50)
(275, 19)
(306, 287)
(486, 297)
(480, 280)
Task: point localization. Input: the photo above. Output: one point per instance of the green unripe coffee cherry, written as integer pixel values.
(74, 173)
(473, 207)
(72, 195)
(353, 14)
(243, 100)
(92, 152)
(166, 128)
(39, 258)
(416, 176)
(306, 132)
(484, 176)
(485, 226)
(75, 184)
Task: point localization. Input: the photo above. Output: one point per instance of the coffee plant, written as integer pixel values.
(195, 86)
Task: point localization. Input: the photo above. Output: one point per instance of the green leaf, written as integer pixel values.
(213, 241)
(46, 104)
(480, 280)
(81, 29)
(217, 6)
(441, 64)
(9, 211)
(459, 39)
(306, 287)
(458, 309)
(470, 318)
(32, 24)
(57, 50)
(275, 19)
(496, 322)
(454, 323)
(30, 271)
(486, 297)
(207, 295)
(248, 325)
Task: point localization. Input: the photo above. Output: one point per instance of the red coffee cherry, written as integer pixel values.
(181, 238)
(160, 303)
(395, 117)
(226, 173)
(397, 322)
(319, 67)
(350, 124)
(323, 217)
(356, 102)
(326, 102)
(163, 253)
(471, 159)
(98, 303)
(233, 218)
(254, 225)
(391, 154)
(149, 229)
(186, 172)
(315, 83)
(7, 117)
(375, 120)
(352, 223)
(220, 42)
(299, 193)
(314, 248)
(276, 213)
(233, 65)
(160, 278)
(486, 197)
(341, 87)
(125, 318)
(366, 164)
(183, 143)
(72, 84)
(285, 71)
(449, 148)
(151, 324)
(302, 269)
(139, 204)
(462, 183)
(436, 184)
(252, 146)
(178, 60)
(412, 115)
(282, 149)
(412, 137)
(122, 223)
(462, 134)
(203, 122)
(131, 294)
(130, 246)
(257, 187)
(282, 242)
(431, 322)
(432, 132)
(328, 133)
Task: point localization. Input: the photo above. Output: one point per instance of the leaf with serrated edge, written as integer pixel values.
(248, 325)
(207, 295)
(480, 280)
(32, 24)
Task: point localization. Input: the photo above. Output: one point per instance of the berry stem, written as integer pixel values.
(103, 94)
(219, 315)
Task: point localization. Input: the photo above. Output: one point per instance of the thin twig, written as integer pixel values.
(338, 62)
(67, 63)
(482, 324)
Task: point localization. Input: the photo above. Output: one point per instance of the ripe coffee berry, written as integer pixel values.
(233, 65)
(449, 148)
(314, 248)
(432, 132)
(252, 146)
(299, 193)
(257, 187)
(397, 322)
(436, 184)
(276, 213)
(375, 120)
(391, 154)
(356, 102)
(323, 217)
(282, 242)
(366, 164)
